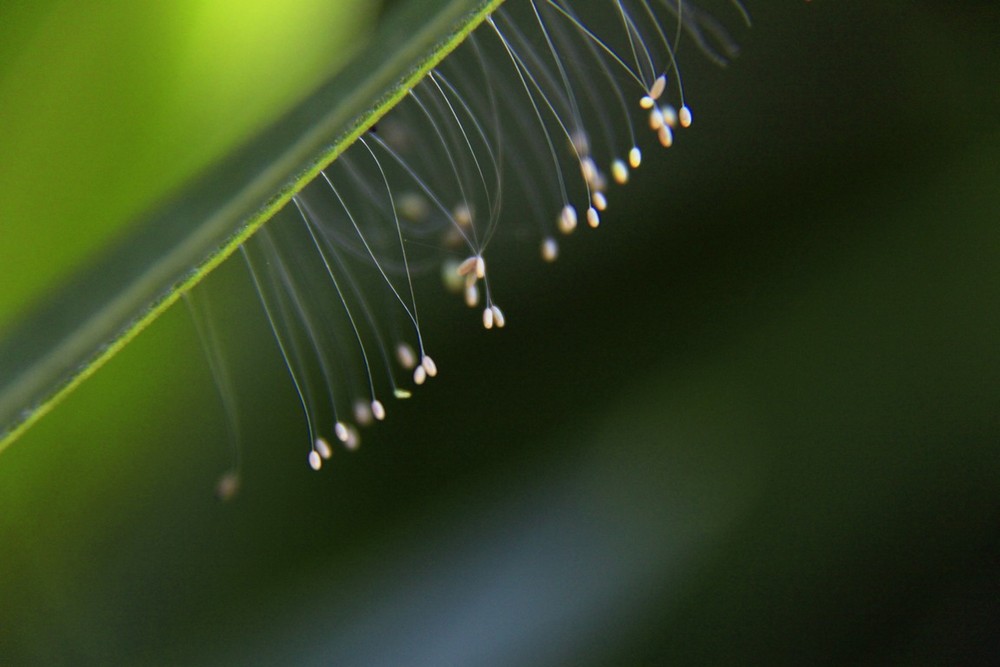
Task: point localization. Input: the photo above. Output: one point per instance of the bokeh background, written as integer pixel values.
(753, 419)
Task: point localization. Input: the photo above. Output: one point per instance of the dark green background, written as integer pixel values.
(752, 420)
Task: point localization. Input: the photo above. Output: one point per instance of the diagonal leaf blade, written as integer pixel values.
(81, 326)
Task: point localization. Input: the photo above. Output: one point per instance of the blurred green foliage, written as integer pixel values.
(755, 421)
(108, 108)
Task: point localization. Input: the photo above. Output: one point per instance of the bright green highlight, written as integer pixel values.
(110, 107)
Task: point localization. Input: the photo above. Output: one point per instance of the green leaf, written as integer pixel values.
(75, 329)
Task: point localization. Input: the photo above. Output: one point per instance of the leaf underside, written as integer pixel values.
(81, 326)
